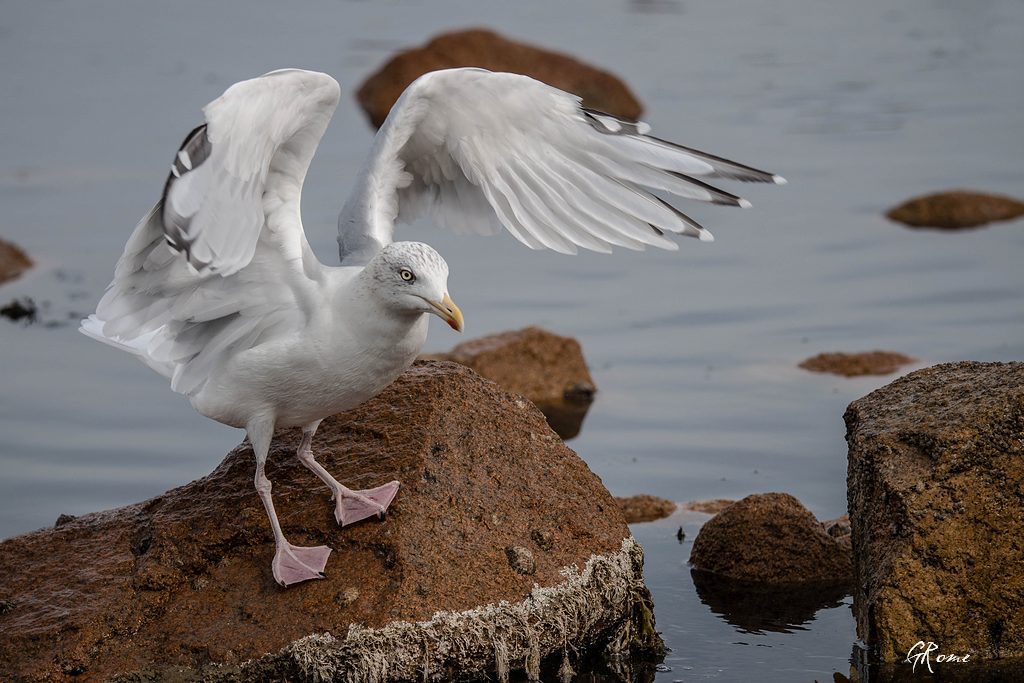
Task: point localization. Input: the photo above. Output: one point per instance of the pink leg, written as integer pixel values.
(292, 563)
(349, 506)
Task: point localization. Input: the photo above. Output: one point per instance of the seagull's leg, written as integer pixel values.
(292, 563)
(349, 506)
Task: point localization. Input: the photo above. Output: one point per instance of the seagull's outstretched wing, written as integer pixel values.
(221, 261)
(482, 150)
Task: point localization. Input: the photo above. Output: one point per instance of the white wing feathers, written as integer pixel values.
(255, 146)
(481, 151)
(221, 262)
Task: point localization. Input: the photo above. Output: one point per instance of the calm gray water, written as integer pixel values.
(859, 105)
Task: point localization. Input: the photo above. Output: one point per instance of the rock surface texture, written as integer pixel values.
(936, 500)
(482, 48)
(13, 261)
(770, 539)
(956, 209)
(183, 579)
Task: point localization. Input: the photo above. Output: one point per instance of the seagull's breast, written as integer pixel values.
(331, 366)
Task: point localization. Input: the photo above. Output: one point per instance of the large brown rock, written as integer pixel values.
(184, 579)
(956, 209)
(486, 49)
(770, 539)
(936, 500)
(13, 261)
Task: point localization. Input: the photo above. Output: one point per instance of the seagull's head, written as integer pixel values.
(411, 277)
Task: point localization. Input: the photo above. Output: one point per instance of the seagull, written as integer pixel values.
(218, 290)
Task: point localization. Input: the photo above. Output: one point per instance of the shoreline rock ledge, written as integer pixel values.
(502, 552)
(935, 489)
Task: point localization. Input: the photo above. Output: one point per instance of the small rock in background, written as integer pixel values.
(645, 508)
(770, 539)
(839, 529)
(708, 507)
(544, 367)
(935, 487)
(486, 49)
(857, 364)
(13, 261)
(955, 210)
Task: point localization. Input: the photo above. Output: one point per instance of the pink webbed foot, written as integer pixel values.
(351, 506)
(294, 564)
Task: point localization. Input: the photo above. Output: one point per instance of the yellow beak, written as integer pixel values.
(449, 312)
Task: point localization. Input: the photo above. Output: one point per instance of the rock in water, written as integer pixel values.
(770, 539)
(857, 364)
(13, 261)
(544, 367)
(645, 508)
(956, 209)
(482, 48)
(936, 500)
(181, 580)
(712, 506)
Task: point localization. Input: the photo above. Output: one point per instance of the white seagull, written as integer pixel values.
(218, 290)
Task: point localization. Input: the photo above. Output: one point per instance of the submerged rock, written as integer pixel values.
(857, 364)
(709, 507)
(544, 367)
(13, 261)
(956, 209)
(936, 499)
(645, 508)
(182, 581)
(18, 310)
(489, 50)
(770, 539)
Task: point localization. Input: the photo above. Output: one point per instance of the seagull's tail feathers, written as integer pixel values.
(184, 324)
(93, 327)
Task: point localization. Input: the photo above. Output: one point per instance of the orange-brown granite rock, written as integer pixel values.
(708, 507)
(13, 261)
(489, 50)
(956, 209)
(183, 579)
(540, 365)
(645, 508)
(770, 539)
(935, 489)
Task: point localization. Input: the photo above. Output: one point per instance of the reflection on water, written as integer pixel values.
(566, 417)
(756, 609)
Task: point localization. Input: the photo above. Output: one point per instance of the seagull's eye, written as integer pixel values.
(407, 275)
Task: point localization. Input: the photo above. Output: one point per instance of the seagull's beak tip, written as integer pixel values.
(454, 315)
